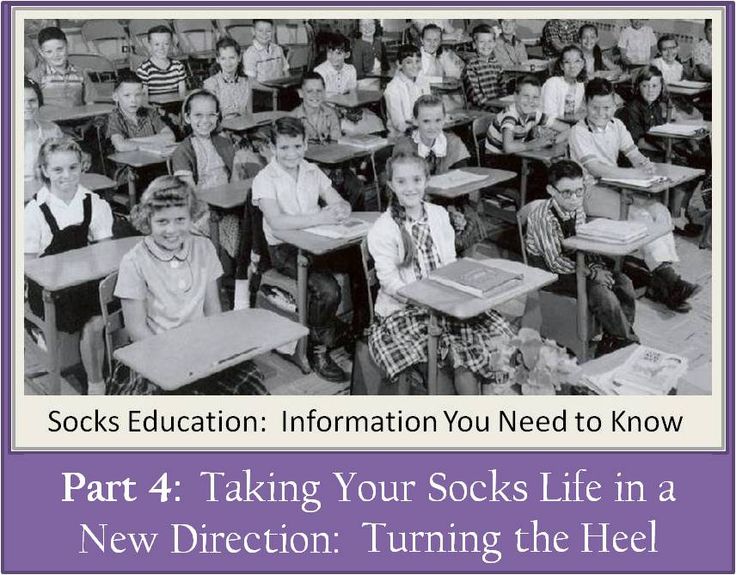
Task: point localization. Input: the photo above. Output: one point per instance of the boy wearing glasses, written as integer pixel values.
(611, 296)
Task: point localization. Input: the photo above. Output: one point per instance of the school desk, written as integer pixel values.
(68, 269)
(209, 345)
(701, 88)
(463, 118)
(316, 245)
(170, 102)
(73, 114)
(675, 175)
(136, 160)
(356, 98)
(670, 137)
(492, 178)
(440, 299)
(93, 182)
(544, 155)
(249, 122)
(278, 86)
(501, 103)
(223, 198)
(587, 246)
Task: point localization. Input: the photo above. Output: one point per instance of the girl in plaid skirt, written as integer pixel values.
(407, 242)
(169, 279)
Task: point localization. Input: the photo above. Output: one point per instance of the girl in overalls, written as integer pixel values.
(66, 216)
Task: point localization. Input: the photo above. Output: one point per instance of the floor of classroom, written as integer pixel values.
(688, 335)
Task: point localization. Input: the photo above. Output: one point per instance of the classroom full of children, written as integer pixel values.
(336, 173)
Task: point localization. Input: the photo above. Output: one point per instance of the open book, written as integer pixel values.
(454, 179)
(612, 231)
(647, 371)
(474, 277)
(363, 141)
(349, 229)
(674, 129)
(636, 182)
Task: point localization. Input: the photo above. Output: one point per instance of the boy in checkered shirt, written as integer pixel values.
(481, 77)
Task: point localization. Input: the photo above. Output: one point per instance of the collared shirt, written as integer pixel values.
(564, 32)
(639, 117)
(234, 95)
(637, 44)
(544, 235)
(670, 72)
(59, 88)
(160, 81)
(481, 81)
(511, 53)
(32, 142)
(521, 127)
(337, 81)
(149, 123)
(37, 234)
(400, 94)
(445, 65)
(589, 143)
(295, 197)
(265, 62)
(173, 285)
(321, 126)
(446, 151)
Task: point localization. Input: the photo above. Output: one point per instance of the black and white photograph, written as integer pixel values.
(273, 206)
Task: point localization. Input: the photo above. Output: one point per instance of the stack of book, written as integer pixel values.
(636, 182)
(674, 129)
(646, 371)
(363, 141)
(475, 277)
(612, 231)
(349, 229)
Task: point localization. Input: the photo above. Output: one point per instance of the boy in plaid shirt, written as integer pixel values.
(611, 296)
(481, 77)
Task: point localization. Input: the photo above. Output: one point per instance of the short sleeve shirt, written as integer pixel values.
(265, 62)
(162, 80)
(670, 72)
(59, 88)
(521, 127)
(337, 81)
(588, 143)
(149, 123)
(320, 127)
(294, 197)
(173, 285)
(37, 234)
(234, 95)
(637, 44)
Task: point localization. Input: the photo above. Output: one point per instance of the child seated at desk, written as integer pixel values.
(60, 82)
(404, 89)
(636, 43)
(443, 151)
(563, 94)
(408, 241)
(204, 159)
(510, 50)
(595, 143)
(702, 53)
(131, 126)
(556, 34)
(289, 191)
(168, 280)
(672, 70)
(230, 84)
(595, 61)
(611, 296)
(65, 216)
(161, 75)
(264, 60)
(482, 74)
(35, 130)
(369, 55)
(440, 63)
(322, 126)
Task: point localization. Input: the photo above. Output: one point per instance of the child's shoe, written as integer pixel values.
(323, 364)
(667, 287)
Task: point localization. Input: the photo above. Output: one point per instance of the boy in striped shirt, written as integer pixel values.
(481, 76)
(611, 296)
(60, 82)
(160, 74)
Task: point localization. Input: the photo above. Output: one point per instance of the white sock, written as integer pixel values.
(242, 295)
(96, 388)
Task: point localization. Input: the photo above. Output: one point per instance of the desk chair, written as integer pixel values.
(239, 30)
(197, 41)
(139, 37)
(553, 315)
(99, 74)
(480, 130)
(112, 318)
(108, 38)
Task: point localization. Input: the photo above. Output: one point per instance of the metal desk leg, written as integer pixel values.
(432, 340)
(524, 182)
(582, 304)
(302, 275)
(52, 341)
(668, 151)
(131, 188)
(375, 180)
(626, 201)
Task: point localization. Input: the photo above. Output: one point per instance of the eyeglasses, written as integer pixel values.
(571, 63)
(569, 194)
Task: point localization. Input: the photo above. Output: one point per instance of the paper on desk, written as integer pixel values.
(507, 99)
(453, 179)
(636, 182)
(675, 129)
(689, 84)
(539, 64)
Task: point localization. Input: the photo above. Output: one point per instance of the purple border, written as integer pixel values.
(37, 532)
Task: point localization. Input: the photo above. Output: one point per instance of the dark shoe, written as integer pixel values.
(688, 290)
(326, 367)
